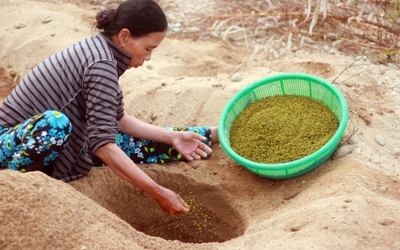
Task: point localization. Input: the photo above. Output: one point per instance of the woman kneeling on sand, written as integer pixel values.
(67, 115)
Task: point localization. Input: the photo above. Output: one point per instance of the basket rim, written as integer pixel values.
(332, 143)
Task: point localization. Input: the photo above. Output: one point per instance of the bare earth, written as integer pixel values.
(351, 202)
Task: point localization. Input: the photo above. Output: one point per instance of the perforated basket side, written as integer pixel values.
(296, 86)
(268, 89)
(275, 174)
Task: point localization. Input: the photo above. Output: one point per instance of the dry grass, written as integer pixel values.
(269, 28)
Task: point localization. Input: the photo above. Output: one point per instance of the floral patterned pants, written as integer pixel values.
(147, 151)
(35, 143)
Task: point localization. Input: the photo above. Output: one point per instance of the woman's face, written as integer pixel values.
(141, 47)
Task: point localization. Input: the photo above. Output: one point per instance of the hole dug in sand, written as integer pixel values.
(211, 218)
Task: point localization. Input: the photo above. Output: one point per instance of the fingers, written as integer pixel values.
(199, 137)
(196, 155)
(201, 152)
(179, 207)
(193, 156)
(205, 148)
(192, 146)
(182, 209)
(185, 206)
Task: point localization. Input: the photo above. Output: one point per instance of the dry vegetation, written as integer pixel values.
(269, 28)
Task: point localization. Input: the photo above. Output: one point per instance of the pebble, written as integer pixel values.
(295, 228)
(342, 151)
(334, 51)
(396, 151)
(386, 221)
(194, 164)
(178, 92)
(291, 195)
(236, 77)
(377, 81)
(357, 150)
(380, 140)
(19, 25)
(349, 84)
(383, 189)
(47, 19)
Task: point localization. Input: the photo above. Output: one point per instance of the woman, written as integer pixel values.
(67, 114)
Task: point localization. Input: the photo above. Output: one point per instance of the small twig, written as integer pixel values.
(239, 66)
(353, 75)
(351, 134)
(333, 82)
(245, 36)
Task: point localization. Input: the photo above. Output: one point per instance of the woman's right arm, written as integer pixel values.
(123, 166)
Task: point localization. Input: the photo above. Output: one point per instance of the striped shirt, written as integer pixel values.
(81, 82)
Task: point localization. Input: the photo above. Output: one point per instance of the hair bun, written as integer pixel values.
(104, 17)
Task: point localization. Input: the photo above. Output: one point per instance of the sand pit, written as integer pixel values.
(212, 217)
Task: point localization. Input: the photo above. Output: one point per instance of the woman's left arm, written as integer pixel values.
(189, 144)
(137, 128)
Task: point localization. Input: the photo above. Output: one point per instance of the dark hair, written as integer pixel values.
(140, 17)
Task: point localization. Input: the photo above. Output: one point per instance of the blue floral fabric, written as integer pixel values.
(35, 143)
(147, 151)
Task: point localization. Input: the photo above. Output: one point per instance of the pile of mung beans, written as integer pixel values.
(282, 128)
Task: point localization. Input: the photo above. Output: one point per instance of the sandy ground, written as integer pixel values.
(351, 202)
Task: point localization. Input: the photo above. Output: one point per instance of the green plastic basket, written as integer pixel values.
(285, 84)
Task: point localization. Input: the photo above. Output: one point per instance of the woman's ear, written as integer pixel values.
(123, 36)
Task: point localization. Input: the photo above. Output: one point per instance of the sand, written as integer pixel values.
(349, 202)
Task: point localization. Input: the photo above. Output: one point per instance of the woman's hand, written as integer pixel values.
(190, 145)
(124, 167)
(170, 202)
